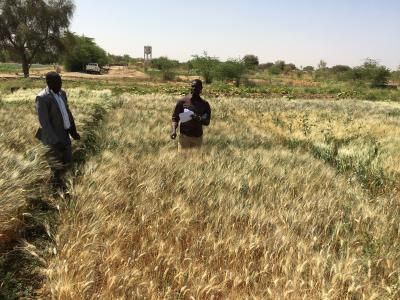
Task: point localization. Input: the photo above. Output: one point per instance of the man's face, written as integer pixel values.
(197, 87)
(55, 84)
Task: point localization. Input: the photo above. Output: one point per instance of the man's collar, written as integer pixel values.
(51, 91)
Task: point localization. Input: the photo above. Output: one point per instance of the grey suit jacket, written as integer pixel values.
(50, 118)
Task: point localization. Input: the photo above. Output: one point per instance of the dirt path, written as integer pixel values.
(115, 72)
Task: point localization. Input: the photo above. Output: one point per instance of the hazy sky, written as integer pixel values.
(298, 31)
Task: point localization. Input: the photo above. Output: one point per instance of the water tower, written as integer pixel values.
(148, 54)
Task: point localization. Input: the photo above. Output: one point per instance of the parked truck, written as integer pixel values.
(93, 68)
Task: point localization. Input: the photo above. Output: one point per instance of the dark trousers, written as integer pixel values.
(59, 161)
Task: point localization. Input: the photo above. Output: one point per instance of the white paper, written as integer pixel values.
(186, 116)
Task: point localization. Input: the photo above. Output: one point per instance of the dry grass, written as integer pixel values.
(261, 212)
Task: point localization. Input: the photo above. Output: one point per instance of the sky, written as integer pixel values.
(297, 31)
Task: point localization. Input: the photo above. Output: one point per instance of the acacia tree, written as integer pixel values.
(32, 27)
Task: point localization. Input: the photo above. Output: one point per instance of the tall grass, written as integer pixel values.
(23, 169)
(260, 212)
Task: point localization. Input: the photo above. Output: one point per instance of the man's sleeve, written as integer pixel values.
(71, 118)
(44, 120)
(207, 115)
(178, 109)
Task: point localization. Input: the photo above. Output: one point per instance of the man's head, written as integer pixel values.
(197, 87)
(54, 81)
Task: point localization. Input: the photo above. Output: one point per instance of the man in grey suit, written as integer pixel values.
(56, 125)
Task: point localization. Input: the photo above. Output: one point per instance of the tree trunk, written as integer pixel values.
(25, 66)
(237, 82)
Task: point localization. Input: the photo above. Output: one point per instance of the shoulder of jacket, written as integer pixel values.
(43, 93)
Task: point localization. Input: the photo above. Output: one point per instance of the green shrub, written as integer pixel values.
(231, 70)
(380, 77)
(251, 61)
(371, 96)
(274, 70)
(205, 65)
(372, 73)
(308, 69)
(166, 67)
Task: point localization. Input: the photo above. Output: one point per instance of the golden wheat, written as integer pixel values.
(260, 212)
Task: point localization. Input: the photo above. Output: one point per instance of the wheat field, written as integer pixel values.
(286, 200)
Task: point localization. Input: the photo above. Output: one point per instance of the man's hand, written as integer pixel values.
(173, 135)
(196, 118)
(173, 130)
(75, 135)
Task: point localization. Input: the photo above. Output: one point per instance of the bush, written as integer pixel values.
(372, 73)
(266, 66)
(289, 68)
(231, 70)
(340, 69)
(308, 69)
(205, 65)
(3, 56)
(166, 67)
(120, 59)
(251, 61)
(275, 70)
(380, 77)
(395, 75)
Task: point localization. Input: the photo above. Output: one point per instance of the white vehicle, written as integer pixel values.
(93, 68)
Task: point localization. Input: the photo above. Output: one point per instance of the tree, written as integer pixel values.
(3, 56)
(205, 65)
(340, 69)
(166, 66)
(396, 74)
(280, 64)
(81, 50)
(377, 75)
(380, 78)
(120, 59)
(371, 71)
(251, 61)
(289, 68)
(308, 69)
(278, 67)
(322, 71)
(231, 70)
(266, 66)
(340, 72)
(30, 27)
